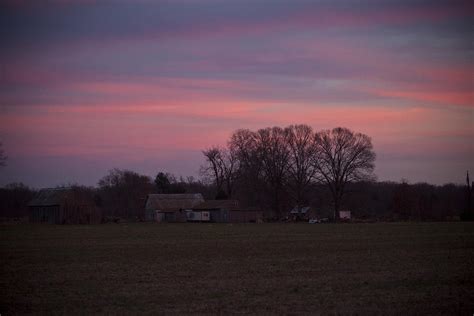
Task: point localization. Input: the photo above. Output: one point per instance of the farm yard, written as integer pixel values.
(402, 268)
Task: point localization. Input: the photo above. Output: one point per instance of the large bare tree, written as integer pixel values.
(263, 158)
(249, 180)
(302, 146)
(244, 146)
(343, 156)
(221, 165)
(273, 154)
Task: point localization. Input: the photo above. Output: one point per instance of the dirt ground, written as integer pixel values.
(383, 268)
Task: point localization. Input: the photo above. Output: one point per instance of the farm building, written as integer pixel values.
(303, 213)
(225, 211)
(218, 210)
(345, 215)
(170, 207)
(64, 206)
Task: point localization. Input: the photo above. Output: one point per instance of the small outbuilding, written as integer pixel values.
(170, 207)
(345, 215)
(228, 211)
(301, 213)
(64, 206)
(218, 210)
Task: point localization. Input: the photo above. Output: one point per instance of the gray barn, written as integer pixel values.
(170, 207)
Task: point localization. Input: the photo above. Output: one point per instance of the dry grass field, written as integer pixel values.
(392, 268)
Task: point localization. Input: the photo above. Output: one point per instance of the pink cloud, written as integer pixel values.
(386, 17)
(466, 99)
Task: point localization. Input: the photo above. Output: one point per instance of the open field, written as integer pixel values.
(414, 268)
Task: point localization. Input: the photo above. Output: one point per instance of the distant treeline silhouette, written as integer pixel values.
(276, 169)
(366, 200)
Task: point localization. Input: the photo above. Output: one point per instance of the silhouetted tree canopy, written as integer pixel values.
(301, 171)
(123, 193)
(343, 156)
(167, 183)
(14, 199)
(277, 167)
(162, 183)
(221, 166)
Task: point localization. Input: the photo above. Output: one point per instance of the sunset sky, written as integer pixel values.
(87, 86)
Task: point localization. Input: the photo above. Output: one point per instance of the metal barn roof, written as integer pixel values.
(218, 204)
(300, 210)
(49, 197)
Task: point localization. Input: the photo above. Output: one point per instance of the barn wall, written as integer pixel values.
(174, 217)
(150, 215)
(216, 215)
(73, 213)
(45, 214)
(69, 214)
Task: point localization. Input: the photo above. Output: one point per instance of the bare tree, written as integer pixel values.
(263, 166)
(3, 158)
(243, 145)
(301, 142)
(273, 153)
(267, 164)
(343, 156)
(230, 167)
(221, 166)
(248, 176)
(213, 167)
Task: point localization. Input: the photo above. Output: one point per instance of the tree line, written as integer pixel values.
(276, 169)
(367, 200)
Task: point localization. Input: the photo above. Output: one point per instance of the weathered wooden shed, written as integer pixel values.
(228, 211)
(170, 207)
(64, 206)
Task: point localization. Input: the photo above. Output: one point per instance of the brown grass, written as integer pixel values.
(402, 268)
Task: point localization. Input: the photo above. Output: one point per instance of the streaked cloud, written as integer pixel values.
(155, 82)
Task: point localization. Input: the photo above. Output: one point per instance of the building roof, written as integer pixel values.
(217, 204)
(49, 197)
(173, 202)
(300, 210)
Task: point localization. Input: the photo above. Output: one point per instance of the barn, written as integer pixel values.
(64, 206)
(170, 207)
(228, 211)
